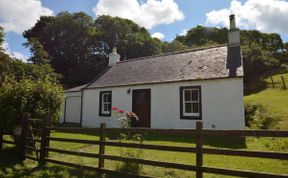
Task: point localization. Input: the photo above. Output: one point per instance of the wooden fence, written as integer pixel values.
(281, 84)
(199, 150)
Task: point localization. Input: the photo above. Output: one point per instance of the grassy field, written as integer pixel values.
(275, 100)
(12, 167)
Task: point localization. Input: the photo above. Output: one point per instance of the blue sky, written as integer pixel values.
(166, 17)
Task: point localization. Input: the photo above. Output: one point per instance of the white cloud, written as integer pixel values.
(13, 54)
(264, 15)
(147, 14)
(19, 15)
(158, 35)
(19, 55)
(184, 32)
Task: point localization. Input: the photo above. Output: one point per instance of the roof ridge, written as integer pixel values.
(173, 53)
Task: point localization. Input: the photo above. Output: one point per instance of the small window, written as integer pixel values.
(105, 103)
(190, 102)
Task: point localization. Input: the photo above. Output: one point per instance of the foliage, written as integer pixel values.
(270, 42)
(77, 47)
(21, 70)
(4, 59)
(132, 40)
(200, 35)
(1, 37)
(67, 42)
(257, 117)
(126, 120)
(27, 88)
(173, 46)
(257, 61)
(39, 98)
(4, 66)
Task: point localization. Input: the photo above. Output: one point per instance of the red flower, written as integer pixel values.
(120, 111)
(114, 108)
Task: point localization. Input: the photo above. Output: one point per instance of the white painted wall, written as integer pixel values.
(222, 104)
(73, 107)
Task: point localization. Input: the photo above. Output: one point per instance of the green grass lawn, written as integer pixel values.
(12, 167)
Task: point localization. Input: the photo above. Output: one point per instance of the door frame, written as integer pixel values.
(133, 104)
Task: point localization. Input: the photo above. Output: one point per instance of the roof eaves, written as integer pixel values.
(167, 81)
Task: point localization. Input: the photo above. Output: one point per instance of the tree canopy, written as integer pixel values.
(27, 88)
(77, 46)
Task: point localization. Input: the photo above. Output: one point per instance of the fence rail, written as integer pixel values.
(199, 150)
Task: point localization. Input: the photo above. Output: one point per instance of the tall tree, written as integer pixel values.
(66, 41)
(132, 40)
(77, 46)
(4, 59)
(201, 36)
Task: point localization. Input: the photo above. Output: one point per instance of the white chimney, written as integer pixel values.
(234, 33)
(114, 57)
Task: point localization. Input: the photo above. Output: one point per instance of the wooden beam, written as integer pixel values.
(102, 146)
(258, 154)
(76, 153)
(74, 140)
(199, 154)
(152, 147)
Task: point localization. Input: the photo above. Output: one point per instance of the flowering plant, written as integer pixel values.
(126, 121)
(125, 118)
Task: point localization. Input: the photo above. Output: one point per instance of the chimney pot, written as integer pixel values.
(232, 22)
(114, 57)
(233, 33)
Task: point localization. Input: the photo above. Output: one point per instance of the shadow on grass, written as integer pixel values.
(12, 167)
(213, 141)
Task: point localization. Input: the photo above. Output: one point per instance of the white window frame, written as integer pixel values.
(102, 103)
(191, 102)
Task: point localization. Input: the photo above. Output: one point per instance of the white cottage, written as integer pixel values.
(172, 90)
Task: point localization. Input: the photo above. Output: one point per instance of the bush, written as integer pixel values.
(39, 98)
(257, 117)
(137, 153)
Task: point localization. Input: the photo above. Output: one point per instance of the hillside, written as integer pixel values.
(275, 100)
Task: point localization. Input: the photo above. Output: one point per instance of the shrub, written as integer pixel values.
(39, 98)
(257, 117)
(137, 153)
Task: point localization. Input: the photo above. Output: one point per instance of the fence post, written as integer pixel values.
(1, 139)
(23, 138)
(44, 139)
(199, 154)
(284, 84)
(273, 85)
(101, 145)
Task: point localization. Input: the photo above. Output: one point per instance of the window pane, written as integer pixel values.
(195, 107)
(109, 97)
(187, 94)
(188, 107)
(105, 107)
(105, 97)
(194, 95)
(109, 107)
